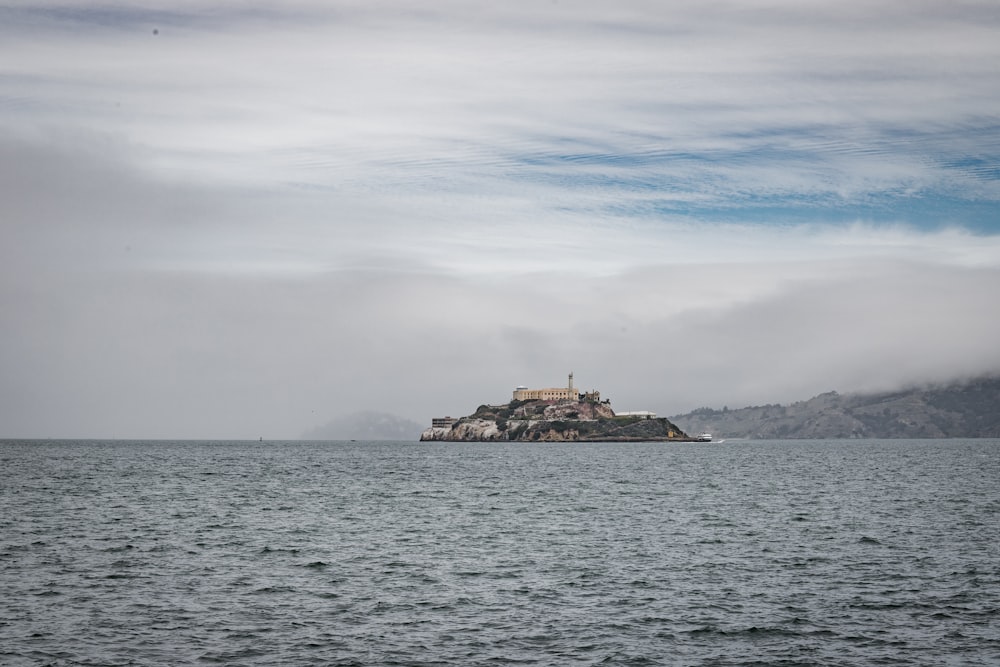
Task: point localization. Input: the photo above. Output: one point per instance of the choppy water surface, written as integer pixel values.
(827, 553)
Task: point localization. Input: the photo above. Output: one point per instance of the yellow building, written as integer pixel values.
(567, 393)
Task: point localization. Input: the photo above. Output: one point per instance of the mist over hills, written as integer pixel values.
(968, 409)
(366, 425)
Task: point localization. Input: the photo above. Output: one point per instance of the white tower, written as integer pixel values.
(571, 396)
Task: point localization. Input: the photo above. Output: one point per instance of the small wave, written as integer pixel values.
(868, 540)
(878, 606)
(273, 589)
(232, 658)
(767, 631)
(118, 550)
(753, 631)
(269, 550)
(623, 659)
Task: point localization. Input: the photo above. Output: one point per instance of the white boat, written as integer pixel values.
(704, 437)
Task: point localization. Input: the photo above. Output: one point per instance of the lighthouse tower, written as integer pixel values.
(571, 396)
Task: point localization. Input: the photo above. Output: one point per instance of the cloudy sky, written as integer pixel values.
(240, 219)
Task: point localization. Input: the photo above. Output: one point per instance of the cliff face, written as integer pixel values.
(554, 421)
(467, 431)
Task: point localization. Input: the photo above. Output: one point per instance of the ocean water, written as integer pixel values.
(310, 553)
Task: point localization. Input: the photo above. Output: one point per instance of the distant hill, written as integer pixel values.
(962, 410)
(367, 425)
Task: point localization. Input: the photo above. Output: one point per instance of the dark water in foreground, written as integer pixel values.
(778, 553)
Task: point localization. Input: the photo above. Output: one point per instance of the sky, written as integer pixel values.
(245, 219)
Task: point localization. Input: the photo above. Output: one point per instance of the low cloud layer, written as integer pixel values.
(231, 221)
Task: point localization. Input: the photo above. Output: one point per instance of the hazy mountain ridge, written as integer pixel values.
(968, 409)
(366, 425)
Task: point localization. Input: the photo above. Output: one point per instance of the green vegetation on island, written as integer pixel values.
(556, 420)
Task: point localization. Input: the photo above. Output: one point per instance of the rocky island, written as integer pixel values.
(558, 414)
